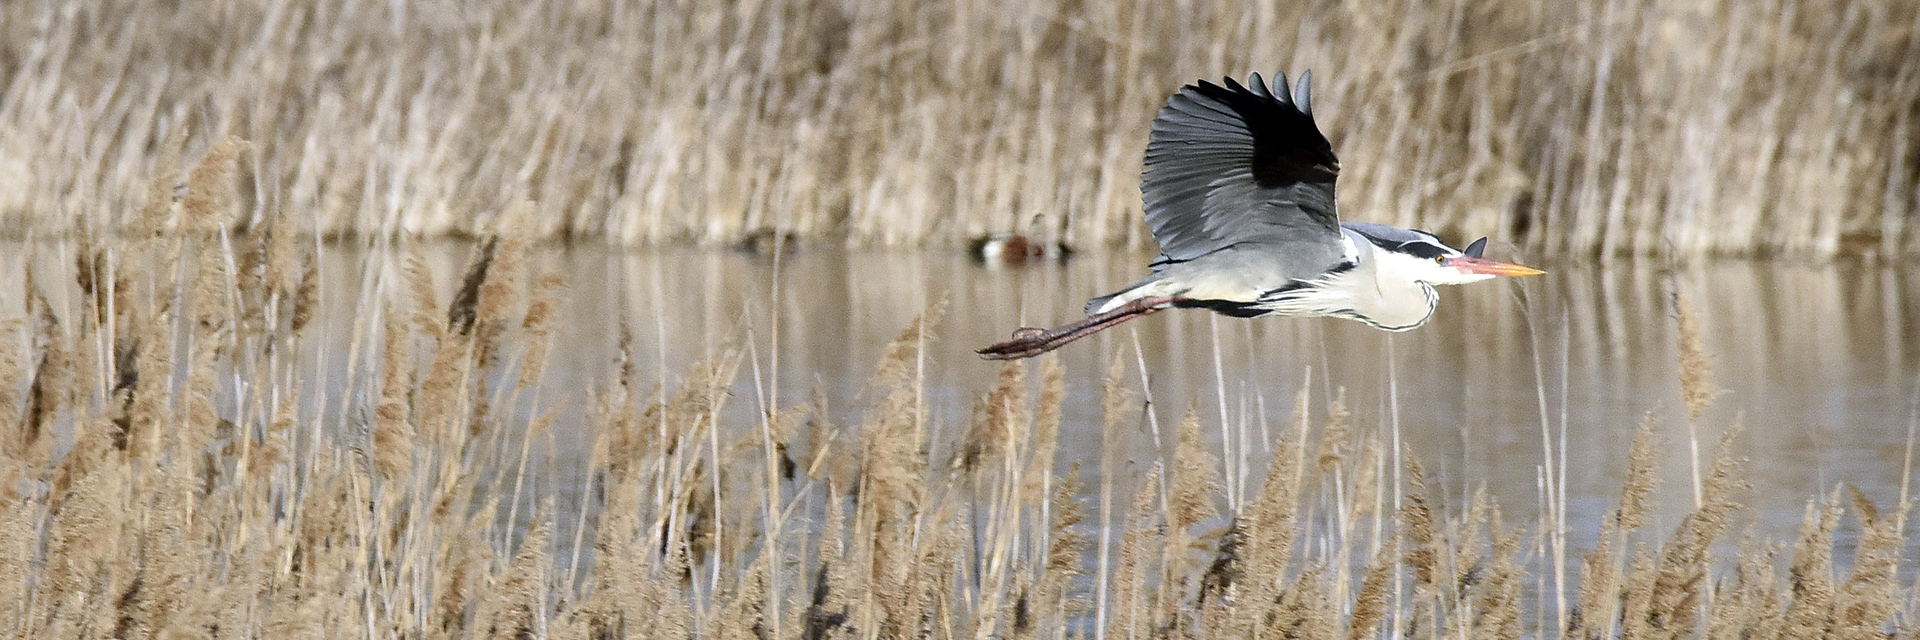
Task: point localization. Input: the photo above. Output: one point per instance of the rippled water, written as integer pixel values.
(1819, 363)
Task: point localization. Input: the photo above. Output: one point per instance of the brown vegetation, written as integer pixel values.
(1639, 126)
(162, 476)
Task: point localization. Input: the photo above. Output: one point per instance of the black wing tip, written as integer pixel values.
(1298, 98)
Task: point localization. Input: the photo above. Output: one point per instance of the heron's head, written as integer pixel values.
(1421, 257)
(1468, 266)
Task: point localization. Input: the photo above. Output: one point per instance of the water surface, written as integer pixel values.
(1819, 363)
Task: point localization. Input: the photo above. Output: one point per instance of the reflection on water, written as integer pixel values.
(1818, 362)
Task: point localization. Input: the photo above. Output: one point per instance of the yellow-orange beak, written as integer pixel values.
(1468, 264)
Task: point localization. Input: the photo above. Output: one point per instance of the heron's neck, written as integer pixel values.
(1394, 301)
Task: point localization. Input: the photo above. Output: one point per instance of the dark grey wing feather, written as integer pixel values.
(1304, 97)
(1232, 165)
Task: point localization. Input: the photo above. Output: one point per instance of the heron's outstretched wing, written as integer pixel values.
(1238, 165)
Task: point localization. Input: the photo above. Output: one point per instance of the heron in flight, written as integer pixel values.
(1238, 189)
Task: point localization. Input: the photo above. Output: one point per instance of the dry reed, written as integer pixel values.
(1631, 126)
(200, 488)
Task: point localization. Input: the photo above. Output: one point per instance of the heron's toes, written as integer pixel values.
(1009, 350)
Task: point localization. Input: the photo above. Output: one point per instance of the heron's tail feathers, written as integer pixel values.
(1099, 304)
(1152, 286)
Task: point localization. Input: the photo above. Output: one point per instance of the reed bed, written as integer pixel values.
(169, 470)
(1624, 126)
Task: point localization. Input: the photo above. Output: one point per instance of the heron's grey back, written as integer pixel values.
(1412, 242)
(1243, 167)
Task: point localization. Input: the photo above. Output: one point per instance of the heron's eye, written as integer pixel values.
(1440, 260)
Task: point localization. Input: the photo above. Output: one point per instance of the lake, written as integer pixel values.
(1818, 362)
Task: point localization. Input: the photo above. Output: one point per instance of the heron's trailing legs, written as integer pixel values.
(1029, 341)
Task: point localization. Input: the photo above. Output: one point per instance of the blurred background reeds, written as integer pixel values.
(1608, 127)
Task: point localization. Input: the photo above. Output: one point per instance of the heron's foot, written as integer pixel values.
(1026, 342)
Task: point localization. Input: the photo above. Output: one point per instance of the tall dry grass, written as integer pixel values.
(169, 469)
(1623, 126)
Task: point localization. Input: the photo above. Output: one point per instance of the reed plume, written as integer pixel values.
(15, 432)
(515, 605)
(1697, 389)
(393, 435)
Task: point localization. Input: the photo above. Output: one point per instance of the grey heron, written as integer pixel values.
(1238, 189)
